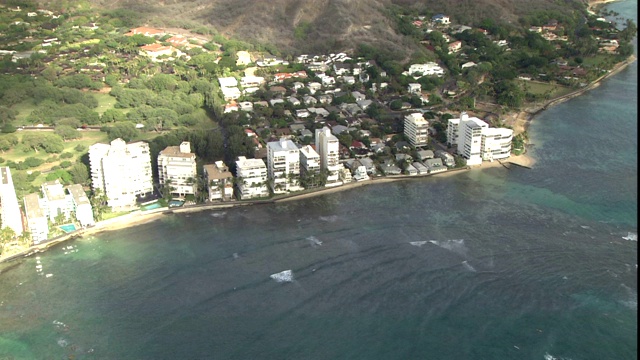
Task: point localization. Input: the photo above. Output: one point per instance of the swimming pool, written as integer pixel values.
(175, 203)
(155, 205)
(68, 228)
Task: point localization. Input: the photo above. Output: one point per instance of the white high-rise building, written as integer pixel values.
(496, 143)
(283, 166)
(121, 171)
(9, 208)
(177, 165)
(81, 205)
(252, 178)
(54, 200)
(328, 148)
(469, 138)
(37, 221)
(310, 165)
(416, 129)
(476, 141)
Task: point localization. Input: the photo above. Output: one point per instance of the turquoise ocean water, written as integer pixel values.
(488, 264)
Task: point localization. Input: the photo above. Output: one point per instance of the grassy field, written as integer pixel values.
(18, 153)
(538, 88)
(105, 102)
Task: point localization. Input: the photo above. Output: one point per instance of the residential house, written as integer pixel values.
(428, 69)
(178, 41)
(146, 32)
(243, 58)
(454, 46)
(364, 104)
(414, 88)
(251, 81)
(435, 165)
(441, 19)
(325, 99)
(357, 95)
(447, 159)
(294, 101)
(421, 169)
(309, 100)
(313, 87)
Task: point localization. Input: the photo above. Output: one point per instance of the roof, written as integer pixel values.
(214, 172)
(78, 194)
(32, 206)
(174, 151)
(53, 190)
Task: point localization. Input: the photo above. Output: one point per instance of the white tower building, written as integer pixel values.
(121, 171)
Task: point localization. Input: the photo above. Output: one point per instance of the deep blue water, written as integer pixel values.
(487, 264)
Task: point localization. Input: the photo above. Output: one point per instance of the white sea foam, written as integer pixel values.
(314, 241)
(62, 342)
(468, 266)
(236, 256)
(548, 356)
(417, 243)
(631, 236)
(283, 276)
(219, 214)
(456, 246)
(332, 218)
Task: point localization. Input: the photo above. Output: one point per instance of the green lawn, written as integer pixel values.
(24, 109)
(537, 88)
(105, 102)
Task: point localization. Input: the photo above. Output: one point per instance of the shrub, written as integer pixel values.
(65, 164)
(66, 155)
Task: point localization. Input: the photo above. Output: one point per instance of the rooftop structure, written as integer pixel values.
(177, 169)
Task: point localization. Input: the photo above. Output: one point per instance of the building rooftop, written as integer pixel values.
(32, 206)
(215, 172)
(78, 194)
(53, 190)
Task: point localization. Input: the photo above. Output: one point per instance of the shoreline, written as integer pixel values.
(523, 118)
(521, 122)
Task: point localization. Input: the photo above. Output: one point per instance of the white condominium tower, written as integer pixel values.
(476, 141)
(252, 178)
(177, 168)
(11, 215)
(121, 171)
(328, 148)
(283, 166)
(416, 129)
(496, 143)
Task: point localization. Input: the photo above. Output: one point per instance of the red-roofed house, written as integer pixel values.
(145, 31)
(283, 76)
(454, 46)
(178, 40)
(156, 50)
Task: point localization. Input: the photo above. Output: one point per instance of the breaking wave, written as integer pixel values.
(283, 276)
(417, 243)
(332, 218)
(631, 236)
(456, 246)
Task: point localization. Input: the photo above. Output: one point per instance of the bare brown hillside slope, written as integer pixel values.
(321, 25)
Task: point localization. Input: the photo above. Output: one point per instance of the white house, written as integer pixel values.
(414, 88)
(441, 19)
(428, 69)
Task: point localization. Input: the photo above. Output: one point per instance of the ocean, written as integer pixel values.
(492, 263)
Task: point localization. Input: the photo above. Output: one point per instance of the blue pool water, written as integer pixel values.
(155, 205)
(68, 228)
(175, 203)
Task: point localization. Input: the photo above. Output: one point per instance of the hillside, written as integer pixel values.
(321, 25)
